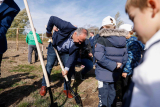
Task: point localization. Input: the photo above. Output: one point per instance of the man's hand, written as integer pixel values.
(90, 55)
(55, 29)
(118, 65)
(124, 74)
(65, 72)
(48, 34)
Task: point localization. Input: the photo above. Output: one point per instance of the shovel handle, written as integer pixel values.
(60, 63)
(37, 45)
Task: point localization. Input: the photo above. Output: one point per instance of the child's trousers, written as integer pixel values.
(107, 94)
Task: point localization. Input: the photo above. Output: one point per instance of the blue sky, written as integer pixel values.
(78, 12)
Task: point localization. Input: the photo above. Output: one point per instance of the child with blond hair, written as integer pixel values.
(144, 91)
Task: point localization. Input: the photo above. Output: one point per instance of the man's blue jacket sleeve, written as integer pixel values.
(5, 24)
(71, 59)
(62, 25)
(8, 10)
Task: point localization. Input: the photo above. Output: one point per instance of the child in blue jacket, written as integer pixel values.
(134, 49)
(111, 56)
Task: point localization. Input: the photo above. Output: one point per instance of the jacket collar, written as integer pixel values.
(113, 32)
(153, 39)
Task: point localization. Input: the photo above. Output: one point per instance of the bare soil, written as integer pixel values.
(20, 82)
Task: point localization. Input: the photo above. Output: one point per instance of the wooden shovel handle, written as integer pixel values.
(60, 62)
(37, 45)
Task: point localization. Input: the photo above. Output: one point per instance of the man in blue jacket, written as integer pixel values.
(67, 40)
(8, 10)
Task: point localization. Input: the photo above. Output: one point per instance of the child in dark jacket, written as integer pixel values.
(134, 50)
(111, 56)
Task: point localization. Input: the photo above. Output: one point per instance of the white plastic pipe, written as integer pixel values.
(37, 45)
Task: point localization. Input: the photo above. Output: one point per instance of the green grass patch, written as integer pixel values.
(24, 104)
(73, 105)
(56, 71)
(14, 85)
(40, 102)
(3, 60)
(40, 68)
(1, 90)
(88, 80)
(61, 100)
(36, 95)
(19, 83)
(33, 77)
(81, 93)
(56, 75)
(22, 83)
(11, 61)
(23, 68)
(45, 101)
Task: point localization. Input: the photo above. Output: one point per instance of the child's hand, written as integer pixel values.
(95, 45)
(90, 55)
(118, 65)
(124, 74)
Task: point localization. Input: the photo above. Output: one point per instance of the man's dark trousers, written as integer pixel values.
(91, 39)
(30, 50)
(51, 58)
(88, 65)
(94, 59)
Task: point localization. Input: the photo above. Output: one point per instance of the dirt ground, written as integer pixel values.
(20, 81)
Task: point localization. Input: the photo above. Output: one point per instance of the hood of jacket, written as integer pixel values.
(30, 32)
(115, 36)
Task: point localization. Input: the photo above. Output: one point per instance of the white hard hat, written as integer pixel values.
(126, 27)
(109, 21)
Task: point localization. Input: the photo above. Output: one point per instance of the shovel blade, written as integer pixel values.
(53, 105)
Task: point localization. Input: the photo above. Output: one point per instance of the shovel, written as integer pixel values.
(40, 55)
(76, 96)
